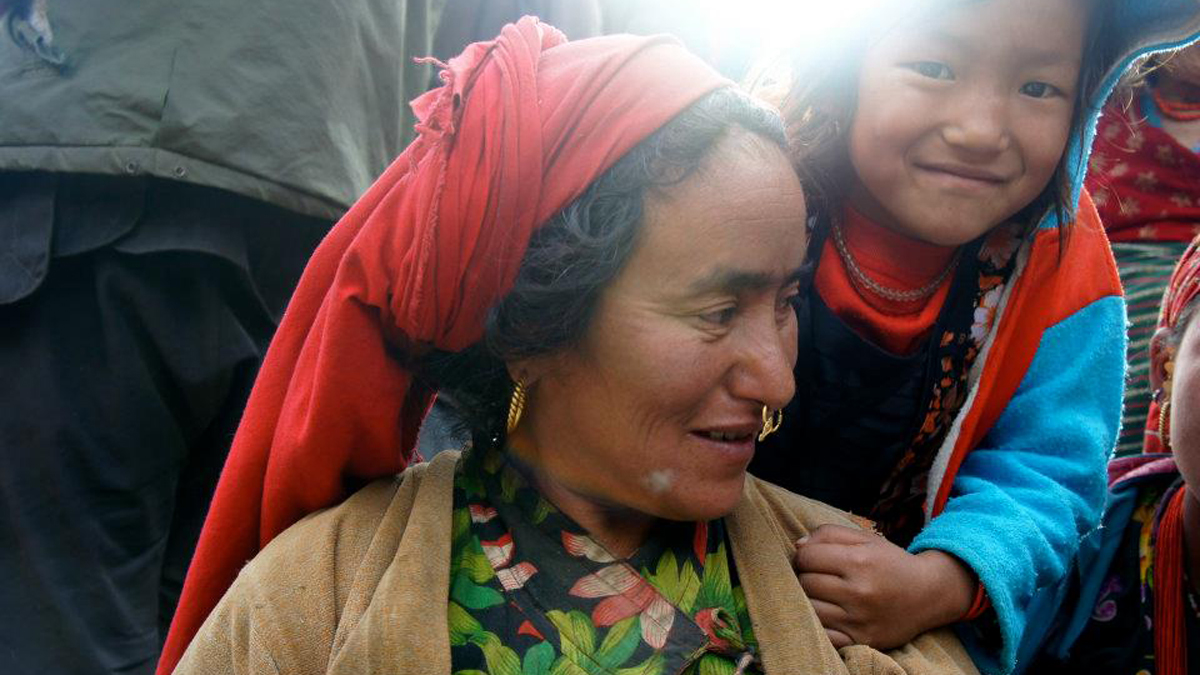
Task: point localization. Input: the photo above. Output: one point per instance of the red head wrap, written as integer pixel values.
(1181, 290)
(520, 128)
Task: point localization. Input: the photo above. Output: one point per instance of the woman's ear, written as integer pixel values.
(518, 370)
(1161, 354)
(528, 371)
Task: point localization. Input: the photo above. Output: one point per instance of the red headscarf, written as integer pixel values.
(521, 127)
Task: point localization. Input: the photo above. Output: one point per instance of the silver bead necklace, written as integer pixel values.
(893, 294)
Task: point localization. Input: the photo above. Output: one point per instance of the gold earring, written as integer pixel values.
(1164, 422)
(772, 420)
(516, 405)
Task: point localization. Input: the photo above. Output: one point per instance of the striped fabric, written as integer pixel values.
(1145, 269)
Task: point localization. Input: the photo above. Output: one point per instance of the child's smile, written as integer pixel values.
(963, 116)
(955, 176)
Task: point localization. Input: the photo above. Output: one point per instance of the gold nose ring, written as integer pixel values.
(772, 420)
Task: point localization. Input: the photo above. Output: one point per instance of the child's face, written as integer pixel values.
(963, 115)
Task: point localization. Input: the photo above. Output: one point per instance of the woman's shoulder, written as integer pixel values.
(290, 601)
(337, 540)
(796, 514)
(341, 531)
(360, 512)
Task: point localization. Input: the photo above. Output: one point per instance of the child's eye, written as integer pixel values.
(1039, 90)
(932, 69)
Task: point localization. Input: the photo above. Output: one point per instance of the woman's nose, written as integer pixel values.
(765, 371)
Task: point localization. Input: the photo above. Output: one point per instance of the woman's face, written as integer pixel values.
(1185, 406)
(963, 115)
(657, 408)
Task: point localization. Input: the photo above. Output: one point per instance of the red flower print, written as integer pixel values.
(481, 514)
(583, 546)
(528, 629)
(499, 552)
(515, 577)
(709, 621)
(627, 594)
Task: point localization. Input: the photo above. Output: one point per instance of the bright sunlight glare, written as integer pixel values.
(737, 33)
(777, 24)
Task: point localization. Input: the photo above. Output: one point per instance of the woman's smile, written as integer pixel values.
(734, 439)
(688, 344)
(734, 447)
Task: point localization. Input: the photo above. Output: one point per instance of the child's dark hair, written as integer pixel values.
(819, 108)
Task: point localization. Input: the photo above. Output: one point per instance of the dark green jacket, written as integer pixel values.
(299, 103)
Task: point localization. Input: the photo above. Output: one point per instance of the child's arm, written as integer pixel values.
(1021, 501)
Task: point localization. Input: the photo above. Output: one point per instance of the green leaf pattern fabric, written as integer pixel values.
(532, 594)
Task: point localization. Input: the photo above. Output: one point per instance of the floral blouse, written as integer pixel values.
(1119, 637)
(532, 594)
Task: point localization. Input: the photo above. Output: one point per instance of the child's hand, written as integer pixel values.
(866, 590)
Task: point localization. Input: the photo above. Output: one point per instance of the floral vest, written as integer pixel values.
(532, 593)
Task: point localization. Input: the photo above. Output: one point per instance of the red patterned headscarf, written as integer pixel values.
(521, 127)
(1141, 179)
(1181, 290)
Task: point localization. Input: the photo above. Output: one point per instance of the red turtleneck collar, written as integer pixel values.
(892, 260)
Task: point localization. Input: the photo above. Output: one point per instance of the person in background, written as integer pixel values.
(166, 168)
(467, 21)
(962, 346)
(1135, 605)
(1144, 176)
(594, 245)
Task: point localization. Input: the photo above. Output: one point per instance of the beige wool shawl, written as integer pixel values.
(363, 588)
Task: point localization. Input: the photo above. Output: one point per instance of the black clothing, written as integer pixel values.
(135, 312)
(851, 418)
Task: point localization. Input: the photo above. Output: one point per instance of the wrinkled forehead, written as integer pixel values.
(739, 160)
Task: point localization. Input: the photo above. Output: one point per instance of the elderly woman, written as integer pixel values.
(594, 247)
(1136, 608)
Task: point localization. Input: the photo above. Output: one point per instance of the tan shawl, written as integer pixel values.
(363, 588)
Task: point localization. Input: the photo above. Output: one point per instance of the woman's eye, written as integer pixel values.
(1039, 89)
(790, 300)
(932, 69)
(720, 317)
